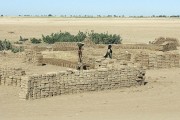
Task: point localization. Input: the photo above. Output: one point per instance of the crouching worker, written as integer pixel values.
(109, 52)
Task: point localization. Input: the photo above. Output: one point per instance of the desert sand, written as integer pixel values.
(157, 100)
(132, 30)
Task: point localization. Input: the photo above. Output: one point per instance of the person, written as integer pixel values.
(80, 45)
(80, 64)
(109, 52)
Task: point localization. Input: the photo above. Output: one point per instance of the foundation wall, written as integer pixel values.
(11, 76)
(71, 46)
(158, 61)
(33, 57)
(60, 62)
(73, 81)
(65, 46)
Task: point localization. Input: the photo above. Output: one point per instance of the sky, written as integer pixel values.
(90, 7)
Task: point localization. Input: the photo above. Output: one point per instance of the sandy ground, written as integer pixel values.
(132, 30)
(13, 62)
(158, 100)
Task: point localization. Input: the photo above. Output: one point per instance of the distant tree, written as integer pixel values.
(50, 15)
(98, 38)
(175, 16)
(36, 41)
(2, 15)
(105, 38)
(109, 16)
(162, 16)
(115, 15)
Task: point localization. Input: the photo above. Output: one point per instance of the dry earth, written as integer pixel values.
(132, 30)
(158, 100)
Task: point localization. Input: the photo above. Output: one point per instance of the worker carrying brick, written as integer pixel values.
(80, 62)
(80, 45)
(109, 52)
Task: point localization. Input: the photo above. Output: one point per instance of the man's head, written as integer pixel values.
(80, 45)
(109, 46)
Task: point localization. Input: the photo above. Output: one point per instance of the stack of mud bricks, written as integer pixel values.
(11, 76)
(90, 61)
(137, 46)
(60, 62)
(38, 58)
(33, 57)
(39, 48)
(172, 60)
(152, 61)
(142, 58)
(122, 56)
(74, 81)
(159, 61)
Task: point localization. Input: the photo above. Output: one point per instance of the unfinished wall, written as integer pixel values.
(161, 40)
(60, 62)
(33, 57)
(138, 46)
(73, 81)
(168, 46)
(65, 46)
(158, 60)
(11, 76)
(122, 56)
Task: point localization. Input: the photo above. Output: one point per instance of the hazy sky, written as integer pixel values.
(90, 7)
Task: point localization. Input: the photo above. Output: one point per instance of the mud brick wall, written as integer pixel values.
(39, 48)
(73, 81)
(33, 57)
(168, 46)
(138, 46)
(65, 46)
(154, 60)
(11, 76)
(60, 62)
(133, 46)
(161, 40)
(122, 56)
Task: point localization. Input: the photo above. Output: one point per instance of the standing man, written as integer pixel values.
(80, 64)
(80, 45)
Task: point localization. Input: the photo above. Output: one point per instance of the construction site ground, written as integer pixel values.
(158, 100)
